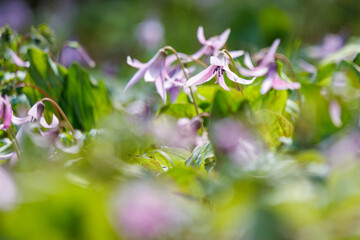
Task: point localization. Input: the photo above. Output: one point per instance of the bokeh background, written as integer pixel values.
(112, 29)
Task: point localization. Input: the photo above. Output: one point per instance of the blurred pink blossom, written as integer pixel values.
(146, 211)
(150, 33)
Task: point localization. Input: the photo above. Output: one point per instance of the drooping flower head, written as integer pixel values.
(74, 52)
(268, 67)
(212, 46)
(218, 66)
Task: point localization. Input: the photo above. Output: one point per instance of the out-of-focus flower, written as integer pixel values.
(182, 134)
(330, 44)
(233, 138)
(267, 66)
(344, 150)
(8, 190)
(167, 78)
(211, 46)
(17, 60)
(273, 80)
(150, 33)
(73, 52)
(16, 13)
(152, 71)
(218, 65)
(145, 211)
(5, 112)
(335, 112)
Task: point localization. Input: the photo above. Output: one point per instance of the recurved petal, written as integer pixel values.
(137, 76)
(280, 84)
(236, 54)
(17, 60)
(54, 123)
(159, 84)
(201, 35)
(37, 110)
(222, 39)
(255, 72)
(199, 53)
(235, 78)
(134, 62)
(247, 61)
(267, 84)
(270, 55)
(8, 113)
(203, 76)
(222, 83)
(20, 120)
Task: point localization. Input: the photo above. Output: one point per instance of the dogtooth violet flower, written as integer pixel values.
(156, 70)
(218, 66)
(268, 67)
(212, 46)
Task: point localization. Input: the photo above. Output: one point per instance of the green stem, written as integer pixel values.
(14, 142)
(238, 86)
(187, 78)
(283, 58)
(62, 113)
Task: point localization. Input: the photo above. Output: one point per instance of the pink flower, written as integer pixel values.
(335, 112)
(268, 67)
(152, 71)
(218, 66)
(145, 211)
(212, 46)
(8, 190)
(74, 52)
(17, 60)
(5, 112)
(273, 80)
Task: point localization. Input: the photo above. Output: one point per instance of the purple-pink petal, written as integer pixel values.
(202, 77)
(270, 55)
(221, 81)
(201, 35)
(17, 60)
(7, 114)
(222, 39)
(159, 84)
(37, 110)
(267, 84)
(335, 112)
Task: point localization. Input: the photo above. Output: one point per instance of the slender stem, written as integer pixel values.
(14, 141)
(239, 87)
(287, 62)
(61, 111)
(187, 78)
(42, 91)
(201, 63)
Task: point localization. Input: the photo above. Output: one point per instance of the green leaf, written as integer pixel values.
(84, 100)
(226, 103)
(200, 155)
(272, 126)
(44, 73)
(325, 74)
(169, 156)
(178, 110)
